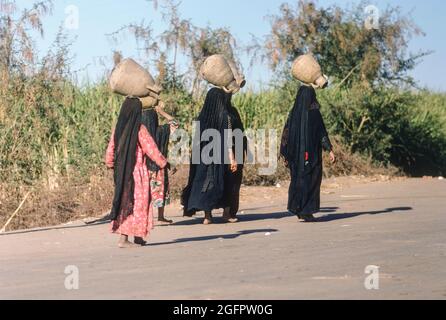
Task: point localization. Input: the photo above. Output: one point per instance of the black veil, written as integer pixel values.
(205, 188)
(297, 128)
(126, 141)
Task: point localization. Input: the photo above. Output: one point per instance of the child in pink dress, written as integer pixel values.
(159, 178)
(135, 216)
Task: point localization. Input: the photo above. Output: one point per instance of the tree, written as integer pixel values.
(345, 47)
(177, 35)
(17, 51)
(181, 39)
(196, 43)
(207, 42)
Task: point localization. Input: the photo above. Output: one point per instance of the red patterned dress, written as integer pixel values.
(140, 222)
(159, 189)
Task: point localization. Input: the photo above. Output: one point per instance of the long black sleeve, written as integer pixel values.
(326, 144)
(325, 139)
(284, 141)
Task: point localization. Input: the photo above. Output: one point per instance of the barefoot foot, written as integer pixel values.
(127, 245)
(309, 218)
(230, 220)
(165, 221)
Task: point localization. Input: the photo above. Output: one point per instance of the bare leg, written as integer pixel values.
(227, 216)
(161, 217)
(207, 218)
(124, 242)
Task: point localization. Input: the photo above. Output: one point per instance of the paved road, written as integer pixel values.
(399, 226)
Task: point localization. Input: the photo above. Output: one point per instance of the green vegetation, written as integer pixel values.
(53, 134)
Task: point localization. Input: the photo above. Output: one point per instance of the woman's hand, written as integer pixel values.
(332, 157)
(234, 166)
(173, 129)
(173, 126)
(285, 162)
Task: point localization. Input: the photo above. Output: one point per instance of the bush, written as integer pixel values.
(53, 138)
(389, 125)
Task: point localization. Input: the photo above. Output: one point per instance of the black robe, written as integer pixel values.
(303, 139)
(214, 186)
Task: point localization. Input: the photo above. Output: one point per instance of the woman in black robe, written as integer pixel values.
(215, 185)
(303, 139)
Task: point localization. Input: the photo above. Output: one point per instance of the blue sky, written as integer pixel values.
(92, 49)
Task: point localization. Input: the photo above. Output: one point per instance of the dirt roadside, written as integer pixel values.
(397, 225)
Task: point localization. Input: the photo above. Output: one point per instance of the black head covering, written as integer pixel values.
(297, 127)
(215, 110)
(126, 141)
(214, 114)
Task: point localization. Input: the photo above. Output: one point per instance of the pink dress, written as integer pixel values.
(140, 222)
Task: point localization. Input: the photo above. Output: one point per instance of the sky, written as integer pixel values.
(92, 49)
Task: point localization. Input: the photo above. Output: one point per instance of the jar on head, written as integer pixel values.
(307, 70)
(223, 73)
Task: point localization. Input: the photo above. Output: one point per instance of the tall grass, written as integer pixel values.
(53, 137)
(58, 133)
(64, 131)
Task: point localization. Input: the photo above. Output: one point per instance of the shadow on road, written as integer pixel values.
(340, 216)
(329, 209)
(249, 217)
(197, 221)
(243, 218)
(214, 237)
